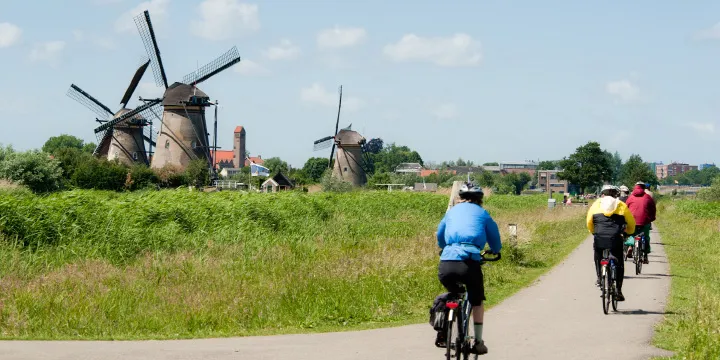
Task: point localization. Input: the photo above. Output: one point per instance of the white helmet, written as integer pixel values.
(608, 189)
(624, 188)
(470, 188)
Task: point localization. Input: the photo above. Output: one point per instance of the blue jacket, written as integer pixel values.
(465, 230)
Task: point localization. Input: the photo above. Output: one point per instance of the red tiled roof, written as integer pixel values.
(238, 129)
(222, 155)
(256, 159)
(427, 172)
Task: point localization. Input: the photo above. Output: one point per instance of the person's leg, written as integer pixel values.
(597, 256)
(646, 230)
(617, 252)
(476, 296)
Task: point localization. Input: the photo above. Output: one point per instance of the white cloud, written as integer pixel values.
(100, 41)
(703, 128)
(624, 90)
(446, 111)
(457, 50)
(709, 33)
(158, 14)
(338, 37)
(318, 95)
(286, 50)
(9, 34)
(48, 52)
(249, 68)
(225, 19)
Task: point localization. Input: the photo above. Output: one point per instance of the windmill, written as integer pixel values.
(122, 134)
(183, 134)
(351, 159)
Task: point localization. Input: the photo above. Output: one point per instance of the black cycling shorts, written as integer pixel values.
(454, 273)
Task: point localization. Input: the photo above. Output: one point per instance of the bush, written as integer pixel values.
(333, 184)
(100, 174)
(712, 193)
(34, 169)
(197, 173)
(140, 177)
(171, 176)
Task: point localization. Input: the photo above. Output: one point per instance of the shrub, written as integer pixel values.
(712, 193)
(171, 176)
(34, 169)
(140, 177)
(333, 184)
(100, 174)
(197, 173)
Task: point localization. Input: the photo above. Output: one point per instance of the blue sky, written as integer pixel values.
(481, 80)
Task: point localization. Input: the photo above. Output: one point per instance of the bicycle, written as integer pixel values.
(638, 252)
(462, 344)
(607, 281)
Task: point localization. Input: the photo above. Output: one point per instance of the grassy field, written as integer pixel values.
(690, 233)
(179, 264)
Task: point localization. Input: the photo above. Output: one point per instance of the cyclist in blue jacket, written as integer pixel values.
(462, 235)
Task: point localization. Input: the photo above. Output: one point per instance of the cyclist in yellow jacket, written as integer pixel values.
(607, 219)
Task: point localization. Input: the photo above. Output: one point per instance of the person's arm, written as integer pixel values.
(493, 234)
(652, 209)
(589, 220)
(629, 220)
(441, 234)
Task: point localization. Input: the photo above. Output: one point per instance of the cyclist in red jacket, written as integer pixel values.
(642, 206)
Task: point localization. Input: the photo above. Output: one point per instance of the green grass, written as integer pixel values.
(690, 233)
(179, 264)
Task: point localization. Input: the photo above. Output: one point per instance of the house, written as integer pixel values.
(231, 158)
(428, 172)
(675, 168)
(409, 168)
(462, 170)
(276, 183)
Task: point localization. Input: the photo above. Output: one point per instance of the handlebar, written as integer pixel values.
(496, 257)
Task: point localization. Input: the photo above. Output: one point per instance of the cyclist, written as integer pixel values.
(642, 206)
(624, 193)
(606, 220)
(462, 234)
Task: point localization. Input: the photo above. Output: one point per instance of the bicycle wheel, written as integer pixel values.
(454, 346)
(637, 257)
(613, 291)
(467, 344)
(604, 290)
(625, 251)
(449, 341)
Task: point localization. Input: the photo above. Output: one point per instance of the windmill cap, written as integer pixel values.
(178, 93)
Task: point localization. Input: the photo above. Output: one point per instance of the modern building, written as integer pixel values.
(526, 166)
(674, 168)
(661, 171)
(654, 165)
(409, 168)
(705, 166)
(546, 177)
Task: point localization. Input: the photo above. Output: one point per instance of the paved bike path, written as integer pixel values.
(558, 317)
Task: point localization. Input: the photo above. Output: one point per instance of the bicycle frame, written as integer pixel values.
(608, 275)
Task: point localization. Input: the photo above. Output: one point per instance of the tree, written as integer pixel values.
(588, 166)
(514, 183)
(33, 168)
(62, 141)
(617, 166)
(197, 173)
(491, 164)
(634, 170)
(548, 165)
(314, 168)
(461, 162)
(391, 156)
(374, 146)
(89, 148)
(275, 165)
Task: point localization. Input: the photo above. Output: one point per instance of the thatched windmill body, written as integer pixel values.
(350, 159)
(122, 134)
(183, 134)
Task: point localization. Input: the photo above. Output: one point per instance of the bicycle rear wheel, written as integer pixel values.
(454, 345)
(637, 257)
(604, 290)
(613, 290)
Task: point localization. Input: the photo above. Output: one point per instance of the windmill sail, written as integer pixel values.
(134, 83)
(145, 28)
(90, 102)
(144, 110)
(226, 60)
(323, 143)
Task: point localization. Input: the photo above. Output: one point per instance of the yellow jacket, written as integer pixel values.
(610, 207)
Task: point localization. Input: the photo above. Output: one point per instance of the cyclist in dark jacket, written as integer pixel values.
(462, 234)
(607, 218)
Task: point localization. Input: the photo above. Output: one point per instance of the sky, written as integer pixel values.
(482, 80)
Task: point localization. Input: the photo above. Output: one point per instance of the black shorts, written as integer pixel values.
(453, 274)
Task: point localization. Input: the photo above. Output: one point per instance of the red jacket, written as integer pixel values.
(642, 206)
